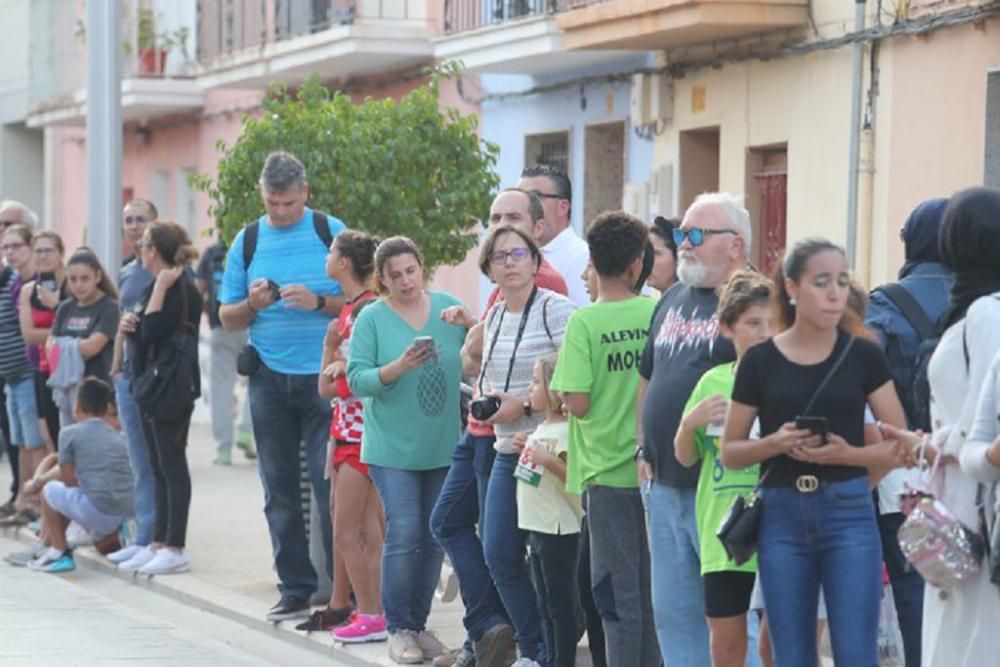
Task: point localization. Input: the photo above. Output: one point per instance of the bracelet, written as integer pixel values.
(252, 309)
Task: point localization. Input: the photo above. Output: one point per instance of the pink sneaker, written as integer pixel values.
(362, 628)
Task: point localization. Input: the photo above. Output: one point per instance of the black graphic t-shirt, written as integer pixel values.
(684, 342)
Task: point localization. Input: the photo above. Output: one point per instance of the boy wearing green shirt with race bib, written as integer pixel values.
(745, 317)
(597, 374)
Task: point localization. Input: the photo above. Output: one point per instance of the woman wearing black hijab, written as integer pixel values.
(958, 625)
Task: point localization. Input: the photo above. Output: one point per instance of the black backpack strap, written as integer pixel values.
(545, 321)
(250, 234)
(322, 227)
(911, 309)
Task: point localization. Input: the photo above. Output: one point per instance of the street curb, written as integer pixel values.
(206, 597)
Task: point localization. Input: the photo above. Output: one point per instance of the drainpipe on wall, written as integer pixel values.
(854, 159)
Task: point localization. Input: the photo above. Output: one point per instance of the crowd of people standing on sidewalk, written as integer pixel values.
(608, 436)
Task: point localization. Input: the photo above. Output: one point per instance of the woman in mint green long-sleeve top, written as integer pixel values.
(412, 422)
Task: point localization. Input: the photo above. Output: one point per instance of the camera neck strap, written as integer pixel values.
(517, 341)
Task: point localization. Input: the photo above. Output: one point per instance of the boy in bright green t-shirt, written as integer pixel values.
(598, 376)
(744, 315)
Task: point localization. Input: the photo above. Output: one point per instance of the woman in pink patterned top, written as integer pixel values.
(354, 505)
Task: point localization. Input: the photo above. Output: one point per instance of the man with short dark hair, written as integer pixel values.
(283, 359)
(559, 242)
(133, 280)
(596, 373)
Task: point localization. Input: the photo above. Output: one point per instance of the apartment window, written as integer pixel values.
(551, 148)
(991, 168)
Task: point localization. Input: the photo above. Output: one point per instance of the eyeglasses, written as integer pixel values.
(696, 235)
(45, 251)
(11, 247)
(4, 224)
(135, 219)
(517, 254)
(545, 195)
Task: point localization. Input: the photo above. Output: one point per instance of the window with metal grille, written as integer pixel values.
(551, 148)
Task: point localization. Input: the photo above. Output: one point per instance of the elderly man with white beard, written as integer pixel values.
(713, 242)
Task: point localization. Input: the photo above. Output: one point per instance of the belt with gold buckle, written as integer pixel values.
(806, 484)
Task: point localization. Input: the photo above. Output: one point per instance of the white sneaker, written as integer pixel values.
(125, 554)
(525, 662)
(166, 561)
(76, 536)
(141, 557)
(50, 555)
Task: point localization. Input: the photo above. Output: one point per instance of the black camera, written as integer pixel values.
(485, 407)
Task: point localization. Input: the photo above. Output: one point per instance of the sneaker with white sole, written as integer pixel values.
(362, 628)
(430, 644)
(76, 536)
(22, 558)
(166, 561)
(141, 557)
(525, 662)
(124, 554)
(65, 563)
(50, 555)
(403, 648)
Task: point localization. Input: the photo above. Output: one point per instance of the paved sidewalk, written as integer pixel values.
(61, 620)
(230, 552)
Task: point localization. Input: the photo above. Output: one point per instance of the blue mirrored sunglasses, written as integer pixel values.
(696, 235)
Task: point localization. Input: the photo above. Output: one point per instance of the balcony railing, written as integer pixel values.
(228, 27)
(465, 15)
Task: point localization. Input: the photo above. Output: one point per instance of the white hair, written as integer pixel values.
(732, 207)
(28, 217)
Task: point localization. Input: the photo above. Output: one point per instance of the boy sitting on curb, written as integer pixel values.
(94, 485)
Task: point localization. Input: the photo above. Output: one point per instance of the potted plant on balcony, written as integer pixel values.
(151, 48)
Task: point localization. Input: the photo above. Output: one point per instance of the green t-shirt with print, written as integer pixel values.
(600, 356)
(717, 485)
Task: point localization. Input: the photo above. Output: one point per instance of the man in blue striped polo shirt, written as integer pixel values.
(285, 298)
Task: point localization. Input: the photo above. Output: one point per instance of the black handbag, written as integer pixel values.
(740, 525)
(168, 387)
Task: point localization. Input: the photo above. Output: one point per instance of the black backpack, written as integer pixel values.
(252, 232)
(916, 398)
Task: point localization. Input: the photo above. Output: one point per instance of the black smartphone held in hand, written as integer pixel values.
(275, 289)
(48, 281)
(815, 425)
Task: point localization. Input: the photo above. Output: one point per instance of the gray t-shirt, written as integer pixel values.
(133, 279)
(100, 458)
(683, 343)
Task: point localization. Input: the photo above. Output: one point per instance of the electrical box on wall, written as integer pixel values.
(652, 100)
(635, 199)
(661, 191)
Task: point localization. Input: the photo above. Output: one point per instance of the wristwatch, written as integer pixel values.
(320, 302)
(527, 409)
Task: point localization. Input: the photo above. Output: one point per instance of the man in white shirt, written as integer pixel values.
(561, 246)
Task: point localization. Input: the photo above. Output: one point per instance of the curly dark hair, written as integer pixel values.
(359, 248)
(616, 239)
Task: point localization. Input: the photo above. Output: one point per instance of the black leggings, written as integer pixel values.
(47, 408)
(167, 444)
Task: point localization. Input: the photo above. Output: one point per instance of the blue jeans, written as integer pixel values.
(505, 546)
(411, 559)
(826, 538)
(907, 587)
(678, 598)
(138, 458)
(459, 508)
(288, 412)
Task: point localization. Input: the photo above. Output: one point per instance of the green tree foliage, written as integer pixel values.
(384, 166)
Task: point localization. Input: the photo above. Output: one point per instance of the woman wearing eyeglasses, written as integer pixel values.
(37, 311)
(526, 325)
